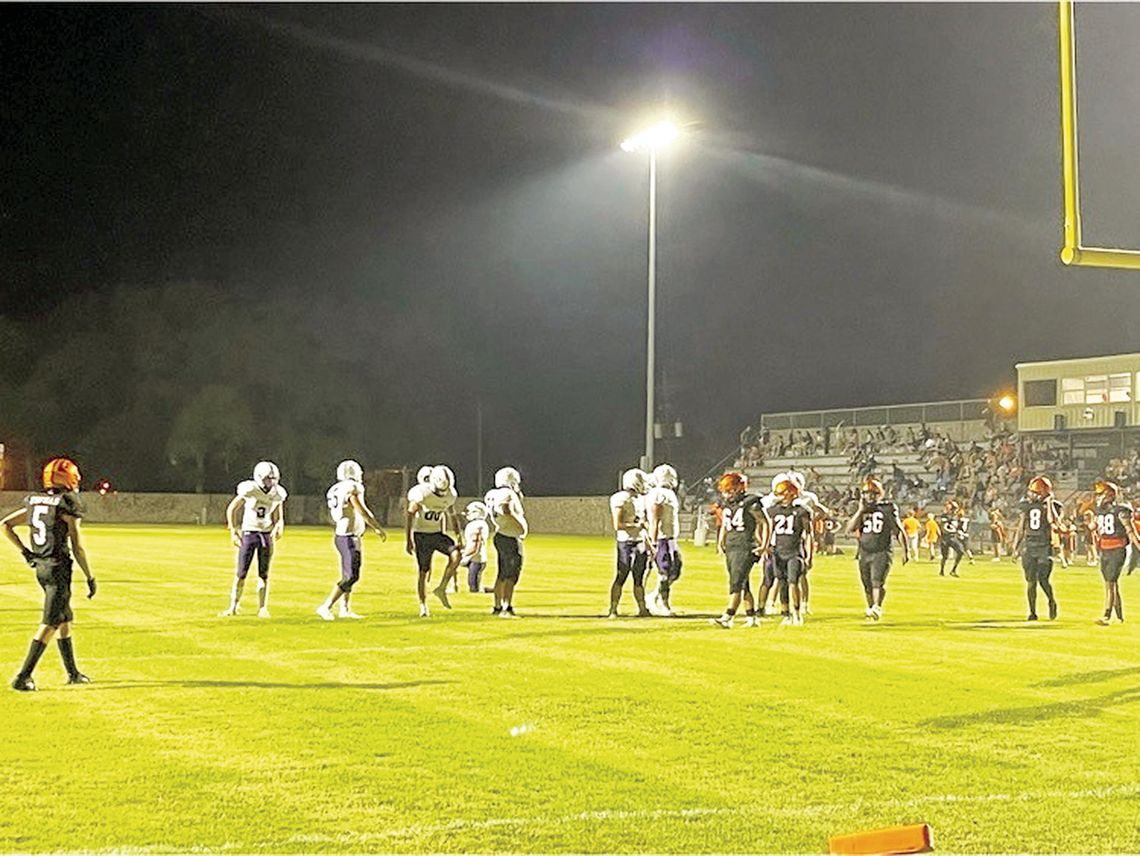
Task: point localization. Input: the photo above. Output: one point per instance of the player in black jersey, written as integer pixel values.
(742, 537)
(1040, 514)
(877, 524)
(792, 546)
(1114, 535)
(52, 518)
(951, 537)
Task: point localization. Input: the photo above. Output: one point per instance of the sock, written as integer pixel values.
(67, 654)
(35, 651)
(750, 612)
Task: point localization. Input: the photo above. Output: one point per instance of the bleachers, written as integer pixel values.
(835, 469)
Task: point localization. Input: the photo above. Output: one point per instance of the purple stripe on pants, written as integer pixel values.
(349, 548)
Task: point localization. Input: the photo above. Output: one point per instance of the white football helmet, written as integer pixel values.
(349, 471)
(266, 475)
(476, 511)
(508, 477)
(441, 479)
(798, 478)
(634, 481)
(423, 474)
(665, 476)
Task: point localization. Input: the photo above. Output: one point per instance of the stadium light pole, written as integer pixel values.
(650, 140)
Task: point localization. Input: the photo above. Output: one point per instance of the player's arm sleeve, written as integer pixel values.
(9, 524)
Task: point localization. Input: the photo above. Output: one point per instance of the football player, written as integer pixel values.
(52, 518)
(1114, 535)
(792, 547)
(949, 537)
(430, 516)
(1039, 516)
(997, 532)
(350, 516)
(742, 538)
(877, 524)
(627, 511)
(810, 501)
(261, 500)
(504, 502)
(1088, 520)
(662, 510)
(475, 537)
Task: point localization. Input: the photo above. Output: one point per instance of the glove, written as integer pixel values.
(90, 587)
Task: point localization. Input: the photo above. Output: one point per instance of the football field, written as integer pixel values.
(560, 731)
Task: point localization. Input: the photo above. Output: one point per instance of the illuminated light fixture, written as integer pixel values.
(652, 138)
(1006, 403)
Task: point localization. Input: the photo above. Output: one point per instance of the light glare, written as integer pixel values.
(653, 137)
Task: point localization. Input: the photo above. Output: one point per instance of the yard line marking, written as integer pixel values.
(681, 814)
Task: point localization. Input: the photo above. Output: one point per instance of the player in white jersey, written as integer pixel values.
(505, 504)
(662, 509)
(262, 522)
(430, 516)
(475, 536)
(627, 509)
(350, 516)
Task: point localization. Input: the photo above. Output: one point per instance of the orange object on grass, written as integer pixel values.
(895, 839)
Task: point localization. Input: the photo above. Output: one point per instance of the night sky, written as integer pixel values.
(865, 210)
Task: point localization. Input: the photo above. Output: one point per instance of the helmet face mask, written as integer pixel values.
(61, 473)
(266, 475)
(349, 471)
(441, 479)
(634, 481)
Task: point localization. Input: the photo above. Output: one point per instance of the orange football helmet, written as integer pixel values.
(61, 472)
(872, 486)
(1106, 490)
(1041, 486)
(732, 483)
(950, 505)
(786, 489)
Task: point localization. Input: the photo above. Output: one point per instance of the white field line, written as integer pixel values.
(685, 813)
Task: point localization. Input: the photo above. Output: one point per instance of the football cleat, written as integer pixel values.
(508, 612)
(1053, 611)
(644, 613)
(424, 611)
(611, 614)
(442, 595)
(78, 678)
(325, 613)
(1031, 617)
(1104, 621)
(263, 613)
(24, 685)
(348, 613)
(233, 610)
(797, 619)
(786, 621)
(495, 610)
(724, 621)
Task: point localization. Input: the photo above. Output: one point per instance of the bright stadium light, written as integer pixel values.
(651, 139)
(1007, 403)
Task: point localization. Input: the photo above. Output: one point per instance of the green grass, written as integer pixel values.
(394, 734)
